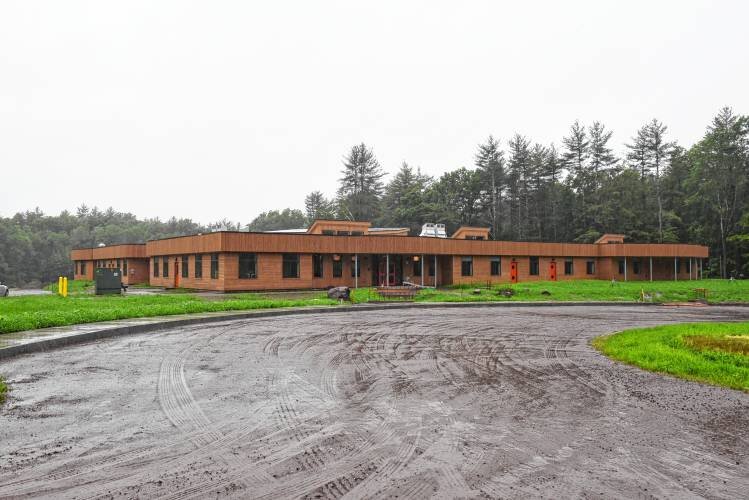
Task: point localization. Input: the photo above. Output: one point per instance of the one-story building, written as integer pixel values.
(345, 253)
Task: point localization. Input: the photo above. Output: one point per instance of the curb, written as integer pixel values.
(77, 338)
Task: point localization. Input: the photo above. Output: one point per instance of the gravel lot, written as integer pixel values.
(469, 402)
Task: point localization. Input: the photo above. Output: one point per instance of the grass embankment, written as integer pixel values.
(715, 353)
(32, 312)
(719, 291)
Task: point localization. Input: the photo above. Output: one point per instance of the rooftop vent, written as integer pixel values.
(431, 230)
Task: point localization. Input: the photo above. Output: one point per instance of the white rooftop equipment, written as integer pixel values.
(432, 230)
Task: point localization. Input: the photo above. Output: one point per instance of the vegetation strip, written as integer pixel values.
(715, 353)
(34, 312)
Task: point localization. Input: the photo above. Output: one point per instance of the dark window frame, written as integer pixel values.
(495, 266)
(318, 266)
(83, 267)
(338, 268)
(590, 267)
(569, 266)
(290, 266)
(534, 266)
(165, 267)
(466, 265)
(622, 266)
(636, 266)
(185, 264)
(198, 266)
(156, 267)
(417, 267)
(124, 267)
(214, 266)
(247, 266)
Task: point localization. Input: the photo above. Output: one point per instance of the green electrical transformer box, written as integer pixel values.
(108, 281)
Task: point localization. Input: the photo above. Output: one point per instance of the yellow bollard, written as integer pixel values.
(65, 286)
(59, 285)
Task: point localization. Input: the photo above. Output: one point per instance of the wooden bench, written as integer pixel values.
(400, 292)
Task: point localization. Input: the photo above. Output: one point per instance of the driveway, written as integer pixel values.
(469, 402)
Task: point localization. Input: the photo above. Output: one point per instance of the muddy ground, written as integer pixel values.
(470, 402)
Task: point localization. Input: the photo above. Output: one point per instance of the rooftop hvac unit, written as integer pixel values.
(431, 230)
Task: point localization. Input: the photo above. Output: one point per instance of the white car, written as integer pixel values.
(4, 290)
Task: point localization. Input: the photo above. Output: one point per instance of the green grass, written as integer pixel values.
(3, 390)
(74, 286)
(720, 291)
(32, 312)
(706, 352)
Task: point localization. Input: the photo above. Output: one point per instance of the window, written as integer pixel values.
(124, 267)
(165, 267)
(466, 266)
(155, 267)
(198, 265)
(214, 266)
(317, 266)
(431, 267)
(290, 265)
(357, 233)
(417, 266)
(337, 268)
(119, 264)
(83, 267)
(185, 266)
(569, 266)
(622, 265)
(342, 233)
(636, 266)
(328, 232)
(689, 266)
(355, 269)
(247, 266)
(474, 237)
(677, 265)
(496, 266)
(533, 266)
(590, 267)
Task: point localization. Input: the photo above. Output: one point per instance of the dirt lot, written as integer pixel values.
(471, 402)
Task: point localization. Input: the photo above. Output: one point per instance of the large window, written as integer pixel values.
(290, 265)
(417, 266)
(165, 267)
(355, 268)
(247, 266)
(214, 266)
(155, 267)
(83, 267)
(496, 266)
(431, 267)
(569, 266)
(119, 264)
(317, 266)
(185, 266)
(337, 268)
(678, 265)
(590, 267)
(636, 266)
(622, 265)
(124, 267)
(198, 265)
(533, 271)
(466, 266)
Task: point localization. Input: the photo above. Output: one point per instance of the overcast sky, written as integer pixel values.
(225, 109)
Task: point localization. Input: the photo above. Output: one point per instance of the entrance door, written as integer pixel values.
(553, 271)
(514, 271)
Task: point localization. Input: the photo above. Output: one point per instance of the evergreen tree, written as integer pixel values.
(317, 206)
(491, 167)
(361, 186)
(405, 201)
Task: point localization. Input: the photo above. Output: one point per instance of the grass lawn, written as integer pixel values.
(41, 311)
(3, 390)
(581, 290)
(715, 353)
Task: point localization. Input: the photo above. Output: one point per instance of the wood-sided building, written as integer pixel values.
(343, 253)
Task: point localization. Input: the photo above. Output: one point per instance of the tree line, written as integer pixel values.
(657, 191)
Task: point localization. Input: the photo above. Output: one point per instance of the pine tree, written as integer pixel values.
(518, 167)
(405, 201)
(316, 206)
(361, 186)
(491, 166)
(602, 159)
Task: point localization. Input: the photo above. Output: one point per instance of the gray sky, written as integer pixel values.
(225, 109)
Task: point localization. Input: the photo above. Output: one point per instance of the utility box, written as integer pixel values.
(108, 281)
